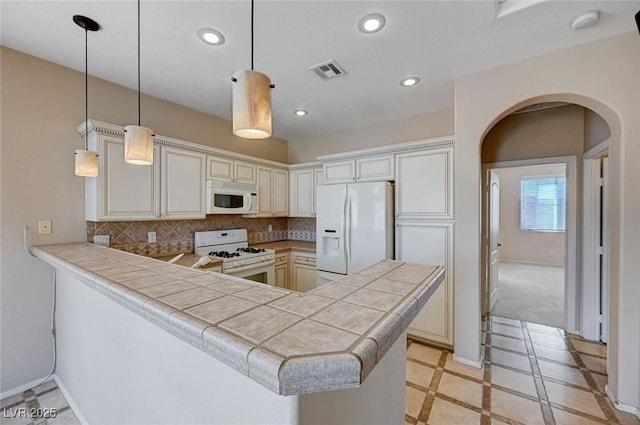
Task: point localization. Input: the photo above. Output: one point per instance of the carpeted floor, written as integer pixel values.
(531, 293)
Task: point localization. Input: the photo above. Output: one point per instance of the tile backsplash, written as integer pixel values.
(176, 236)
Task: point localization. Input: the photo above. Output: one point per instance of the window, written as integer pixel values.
(542, 204)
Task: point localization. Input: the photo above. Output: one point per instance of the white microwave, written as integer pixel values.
(231, 198)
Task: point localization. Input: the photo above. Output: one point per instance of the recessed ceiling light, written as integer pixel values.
(586, 20)
(211, 36)
(409, 81)
(300, 112)
(371, 23)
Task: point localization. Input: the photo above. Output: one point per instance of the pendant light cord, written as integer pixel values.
(86, 89)
(139, 63)
(252, 35)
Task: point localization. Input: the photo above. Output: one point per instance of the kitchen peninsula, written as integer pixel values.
(253, 353)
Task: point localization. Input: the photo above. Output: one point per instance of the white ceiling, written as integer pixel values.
(435, 40)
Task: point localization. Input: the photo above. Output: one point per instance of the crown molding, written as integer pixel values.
(391, 149)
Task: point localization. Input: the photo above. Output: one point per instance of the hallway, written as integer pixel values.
(533, 374)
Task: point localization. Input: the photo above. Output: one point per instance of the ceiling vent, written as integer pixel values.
(328, 70)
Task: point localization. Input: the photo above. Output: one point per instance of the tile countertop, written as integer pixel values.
(289, 245)
(326, 339)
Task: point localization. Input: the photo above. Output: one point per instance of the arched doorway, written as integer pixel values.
(547, 278)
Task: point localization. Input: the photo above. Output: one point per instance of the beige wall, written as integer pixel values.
(540, 134)
(595, 129)
(522, 246)
(602, 76)
(42, 103)
(426, 126)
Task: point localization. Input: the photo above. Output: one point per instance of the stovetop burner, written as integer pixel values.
(224, 254)
(251, 250)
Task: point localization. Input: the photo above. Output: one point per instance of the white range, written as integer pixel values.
(238, 258)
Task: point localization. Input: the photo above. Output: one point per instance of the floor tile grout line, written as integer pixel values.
(486, 375)
(580, 413)
(603, 402)
(427, 405)
(543, 399)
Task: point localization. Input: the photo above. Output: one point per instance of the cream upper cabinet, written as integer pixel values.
(430, 243)
(273, 192)
(183, 183)
(172, 187)
(121, 191)
(340, 172)
(375, 168)
(424, 184)
(219, 168)
(303, 183)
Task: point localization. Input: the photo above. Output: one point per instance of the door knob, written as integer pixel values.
(499, 244)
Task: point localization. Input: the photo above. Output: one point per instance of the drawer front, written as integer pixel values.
(282, 259)
(304, 259)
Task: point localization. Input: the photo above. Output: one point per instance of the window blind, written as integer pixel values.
(543, 203)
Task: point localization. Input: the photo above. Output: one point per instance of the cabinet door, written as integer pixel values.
(244, 172)
(219, 168)
(304, 276)
(282, 270)
(302, 193)
(430, 243)
(183, 184)
(424, 184)
(280, 193)
(265, 191)
(379, 168)
(340, 172)
(125, 191)
(318, 180)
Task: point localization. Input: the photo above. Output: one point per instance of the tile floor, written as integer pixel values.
(533, 374)
(41, 405)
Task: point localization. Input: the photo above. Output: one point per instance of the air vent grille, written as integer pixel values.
(328, 70)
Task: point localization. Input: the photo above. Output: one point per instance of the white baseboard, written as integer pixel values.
(468, 362)
(70, 400)
(22, 388)
(621, 406)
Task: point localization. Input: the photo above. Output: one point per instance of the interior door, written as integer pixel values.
(493, 234)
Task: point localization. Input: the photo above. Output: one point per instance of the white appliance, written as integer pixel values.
(231, 198)
(354, 227)
(238, 259)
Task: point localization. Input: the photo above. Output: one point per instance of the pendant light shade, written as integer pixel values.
(251, 96)
(86, 161)
(138, 145)
(138, 141)
(251, 99)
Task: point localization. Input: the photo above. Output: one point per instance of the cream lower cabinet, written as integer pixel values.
(430, 243)
(172, 188)
(282, 270)
(273, 192)
(303, 271)
(303, 184)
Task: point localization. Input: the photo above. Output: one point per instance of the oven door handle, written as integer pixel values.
(250, 267)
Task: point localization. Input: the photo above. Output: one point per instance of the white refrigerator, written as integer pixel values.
(354, 228)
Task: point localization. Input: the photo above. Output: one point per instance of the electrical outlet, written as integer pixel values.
(44, 227)
(270, 228)
(101, 240)
(151, 237)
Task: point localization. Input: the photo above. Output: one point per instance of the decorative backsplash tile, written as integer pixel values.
(176, 236)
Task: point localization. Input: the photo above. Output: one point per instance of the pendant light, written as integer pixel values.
(86, 161)
(251, 98)
(138, 141)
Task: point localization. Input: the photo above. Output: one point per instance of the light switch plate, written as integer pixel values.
(101, 240)
(44, 227)
(151, 237)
